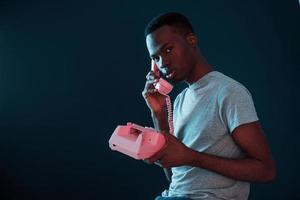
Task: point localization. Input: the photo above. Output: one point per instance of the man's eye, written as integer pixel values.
(156, 59)
(168, 50)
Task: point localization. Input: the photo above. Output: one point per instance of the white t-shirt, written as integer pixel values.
(205, 115)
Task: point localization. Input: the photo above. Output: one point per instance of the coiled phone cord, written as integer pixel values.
(170, 114)
(167, 171)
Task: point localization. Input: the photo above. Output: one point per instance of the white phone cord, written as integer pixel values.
(170, 114)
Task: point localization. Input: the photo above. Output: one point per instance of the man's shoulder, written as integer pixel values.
(181, 94)
(227, 84)
(226, 80)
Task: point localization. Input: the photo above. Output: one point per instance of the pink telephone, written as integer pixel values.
(136, 141)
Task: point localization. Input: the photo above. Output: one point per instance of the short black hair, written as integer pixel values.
(173, 19)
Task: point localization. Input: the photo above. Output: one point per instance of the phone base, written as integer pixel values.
(136, 141)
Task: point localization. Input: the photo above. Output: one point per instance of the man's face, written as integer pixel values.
(172, 53)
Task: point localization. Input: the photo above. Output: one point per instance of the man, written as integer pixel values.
(218, 145)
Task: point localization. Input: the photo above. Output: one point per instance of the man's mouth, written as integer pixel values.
(170, 74)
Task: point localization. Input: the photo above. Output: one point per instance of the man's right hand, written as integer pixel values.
(155, 100)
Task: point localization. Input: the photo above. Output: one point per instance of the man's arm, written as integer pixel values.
(160, 121)
(257, 166)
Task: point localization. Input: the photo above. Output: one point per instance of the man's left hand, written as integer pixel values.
(175, 153)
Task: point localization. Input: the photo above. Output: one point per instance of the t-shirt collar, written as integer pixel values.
(202, 81)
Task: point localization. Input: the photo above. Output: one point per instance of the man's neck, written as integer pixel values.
(200, 69)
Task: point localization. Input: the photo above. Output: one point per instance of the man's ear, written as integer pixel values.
(192, 39)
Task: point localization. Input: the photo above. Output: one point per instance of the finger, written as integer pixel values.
(152, 160)
(148, 92)
(150, 76)
(152, 91)
(158, 163)
(146, 161)
(156, 156)
(151, 81)
(150, 84)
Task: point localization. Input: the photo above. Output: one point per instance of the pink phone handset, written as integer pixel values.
(162, 86)
(136, 141)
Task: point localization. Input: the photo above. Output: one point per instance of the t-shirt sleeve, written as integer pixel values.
(237, 106)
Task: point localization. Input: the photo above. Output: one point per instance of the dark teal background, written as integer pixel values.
(71, 71)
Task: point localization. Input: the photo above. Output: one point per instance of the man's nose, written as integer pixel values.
(163, 63)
